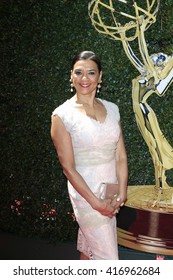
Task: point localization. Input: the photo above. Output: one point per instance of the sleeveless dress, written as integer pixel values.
(94, 146)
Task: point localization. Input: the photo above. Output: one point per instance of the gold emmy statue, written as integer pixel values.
(154, 203)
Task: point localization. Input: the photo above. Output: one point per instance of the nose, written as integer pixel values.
(85, 76)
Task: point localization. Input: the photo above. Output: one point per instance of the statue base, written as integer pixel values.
(145, 222)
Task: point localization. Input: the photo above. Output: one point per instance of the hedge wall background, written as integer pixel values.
(38, 41)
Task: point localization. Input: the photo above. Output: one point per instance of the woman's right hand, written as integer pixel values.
(105, 208)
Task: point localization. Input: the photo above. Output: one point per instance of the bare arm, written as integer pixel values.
(63, 145)
(122, 168)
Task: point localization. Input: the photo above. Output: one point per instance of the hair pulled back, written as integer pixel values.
(87, 55)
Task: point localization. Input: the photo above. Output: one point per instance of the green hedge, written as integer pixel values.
(39, 39)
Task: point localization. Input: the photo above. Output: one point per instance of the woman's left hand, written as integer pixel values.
(117, 202)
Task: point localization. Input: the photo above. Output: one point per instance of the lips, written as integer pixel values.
(84, 85)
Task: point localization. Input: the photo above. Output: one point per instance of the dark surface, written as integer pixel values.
(20, 248)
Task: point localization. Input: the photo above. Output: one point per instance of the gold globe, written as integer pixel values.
(119, 19)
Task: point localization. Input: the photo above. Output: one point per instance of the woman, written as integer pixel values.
(88, 139)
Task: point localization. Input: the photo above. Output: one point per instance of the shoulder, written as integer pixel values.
(66, 113)
(109, 104)
(61, 109)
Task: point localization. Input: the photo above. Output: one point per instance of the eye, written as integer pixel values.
(78, 72)
(91, 72)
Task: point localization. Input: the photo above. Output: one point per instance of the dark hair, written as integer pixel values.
(87, 55)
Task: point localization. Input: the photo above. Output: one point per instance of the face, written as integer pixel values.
(85, 77)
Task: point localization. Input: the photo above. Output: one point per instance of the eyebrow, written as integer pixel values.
(92, 69)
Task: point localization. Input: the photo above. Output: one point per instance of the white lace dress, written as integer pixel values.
(94, 145)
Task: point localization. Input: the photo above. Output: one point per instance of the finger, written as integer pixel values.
(116, 211)
(110, 216)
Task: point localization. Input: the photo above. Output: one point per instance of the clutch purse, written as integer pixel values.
(110, 191)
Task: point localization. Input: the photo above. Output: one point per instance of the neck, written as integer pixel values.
(89, 100)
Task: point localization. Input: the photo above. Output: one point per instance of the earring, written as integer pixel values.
(71, 85)
(99, 87)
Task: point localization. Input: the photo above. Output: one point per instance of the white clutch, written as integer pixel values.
(109, 191)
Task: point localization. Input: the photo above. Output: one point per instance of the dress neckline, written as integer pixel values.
(85, 115)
